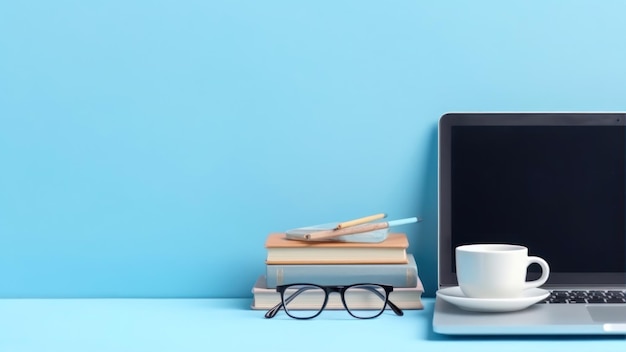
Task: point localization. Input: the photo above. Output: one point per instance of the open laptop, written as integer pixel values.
(554, 182)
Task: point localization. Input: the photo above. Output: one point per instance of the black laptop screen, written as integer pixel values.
(559, 190)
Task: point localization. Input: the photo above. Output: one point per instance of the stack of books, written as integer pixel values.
(339, 263)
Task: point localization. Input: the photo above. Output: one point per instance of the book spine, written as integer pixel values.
(334, 303)
(397, 275)
(411, 299)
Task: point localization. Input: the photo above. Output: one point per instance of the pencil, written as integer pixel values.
(328, 234)
(360, 221)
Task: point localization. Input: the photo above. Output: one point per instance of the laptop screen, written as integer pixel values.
(554, 182)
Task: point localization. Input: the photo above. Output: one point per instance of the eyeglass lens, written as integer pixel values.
(303, 301)
(365, 301)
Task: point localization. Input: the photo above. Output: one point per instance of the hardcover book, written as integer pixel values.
(397, 275)
(281, 250)
(403, 297)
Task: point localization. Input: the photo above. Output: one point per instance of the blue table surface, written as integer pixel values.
(212, 324)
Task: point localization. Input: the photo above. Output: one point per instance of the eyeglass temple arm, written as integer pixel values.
(395, 308)
(274, 310)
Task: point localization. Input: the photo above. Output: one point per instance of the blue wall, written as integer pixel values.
(148, 147)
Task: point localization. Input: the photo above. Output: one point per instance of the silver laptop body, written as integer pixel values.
(554, 182)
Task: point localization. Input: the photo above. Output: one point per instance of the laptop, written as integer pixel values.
(553, 182)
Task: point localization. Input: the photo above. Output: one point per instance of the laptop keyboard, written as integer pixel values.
(595, 296)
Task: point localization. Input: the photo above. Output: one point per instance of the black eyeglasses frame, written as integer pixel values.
(328, 289)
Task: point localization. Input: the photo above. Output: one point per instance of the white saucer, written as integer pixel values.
(455, 296)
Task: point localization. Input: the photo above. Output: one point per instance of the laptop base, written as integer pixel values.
(539, 319)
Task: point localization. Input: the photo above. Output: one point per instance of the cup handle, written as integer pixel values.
(545, 272)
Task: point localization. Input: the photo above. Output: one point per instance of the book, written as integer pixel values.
(403, 297)
(397, 275)
(281, 250)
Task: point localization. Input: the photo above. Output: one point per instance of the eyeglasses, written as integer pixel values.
(306, 301)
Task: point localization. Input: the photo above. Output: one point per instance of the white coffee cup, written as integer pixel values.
(496, 270)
